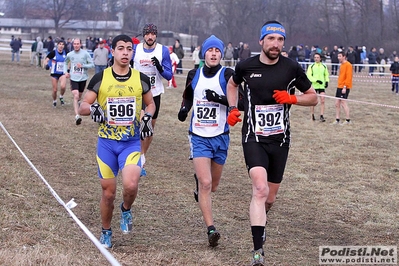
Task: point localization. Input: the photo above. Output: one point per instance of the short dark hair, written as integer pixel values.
(121, 37)
(272, 22)
(342, 53)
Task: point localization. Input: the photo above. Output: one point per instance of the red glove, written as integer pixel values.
(233, 117)
(284, 97)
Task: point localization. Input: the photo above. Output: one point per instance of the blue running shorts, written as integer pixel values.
(214, 148)
(113, 155)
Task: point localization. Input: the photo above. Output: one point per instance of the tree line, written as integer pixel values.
(370, 23)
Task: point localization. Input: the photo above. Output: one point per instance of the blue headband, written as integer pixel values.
(272, 28)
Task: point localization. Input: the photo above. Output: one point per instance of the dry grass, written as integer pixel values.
(340, 185)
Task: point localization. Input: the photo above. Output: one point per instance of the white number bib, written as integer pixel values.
(60, 67)
(207, 114)
(76, 70)
(121, 111)
(269, 119)
(153, 78)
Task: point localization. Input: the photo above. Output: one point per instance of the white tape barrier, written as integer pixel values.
(356, 101)
(372, 79)
(71, 204)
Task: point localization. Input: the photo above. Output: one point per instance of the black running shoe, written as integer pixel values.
(213, 238)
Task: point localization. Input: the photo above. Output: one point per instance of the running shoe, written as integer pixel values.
(78, 120)
(143, 172)
(322, 119)
(62, 101)
(213, 238)
(335, 122)
(257, 258)
(54, 104)
(347, 122)
(105, 238)
(126, 221)
(196, 188)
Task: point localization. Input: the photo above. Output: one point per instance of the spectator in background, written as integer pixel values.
(178, 50)
(351, 55)
(381, 59)
(196, 56)
(245, 52)
(334, 61)
(100, 57)
(15, 45)
(39, 51)
(293, 53)
(49, 44)
(68, 46)
(372, 59)
(236, 55)
(317, 73)
(301, 56)
(395, 75)
(343, 88)
(324, 54)
(392, 56)
(363, 57)
(358, 59)
(33, 56)
(228, 54)
(175, 61)
(307, 53)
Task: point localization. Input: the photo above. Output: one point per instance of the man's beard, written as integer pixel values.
(271, 56)
(153, 42)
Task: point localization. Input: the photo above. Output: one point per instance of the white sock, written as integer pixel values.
(142, 157)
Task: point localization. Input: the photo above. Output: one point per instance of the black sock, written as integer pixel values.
(257, 233)
(348, 120)
(123, 208)
(337, 119)
(211, 228)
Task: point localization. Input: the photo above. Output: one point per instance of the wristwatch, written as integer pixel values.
(231, 108)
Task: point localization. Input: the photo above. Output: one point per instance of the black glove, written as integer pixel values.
(325, 86)
(97, 113)
(47, 67)
(319, 81)
(156, 63)
(146, 127)
(182, 114)
(212, 96)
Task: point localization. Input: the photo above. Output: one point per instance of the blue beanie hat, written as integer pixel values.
(212, 42)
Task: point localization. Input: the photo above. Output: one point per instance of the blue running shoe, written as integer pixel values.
(106, 237)
(143, 172)
(126, 221)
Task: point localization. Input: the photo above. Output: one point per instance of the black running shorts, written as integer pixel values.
(269, 156)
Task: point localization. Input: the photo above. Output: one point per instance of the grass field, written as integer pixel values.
(340, 186)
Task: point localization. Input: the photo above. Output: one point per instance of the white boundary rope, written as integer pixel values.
(356, 101)
(93, 239)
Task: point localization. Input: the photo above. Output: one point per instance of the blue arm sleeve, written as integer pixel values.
(166, 64)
